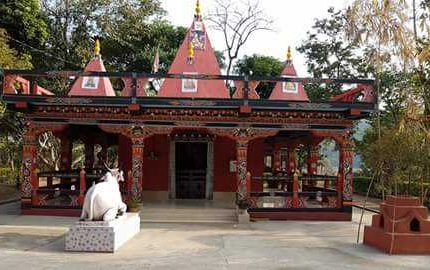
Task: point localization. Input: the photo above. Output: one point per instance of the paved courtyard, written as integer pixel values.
(28, 242)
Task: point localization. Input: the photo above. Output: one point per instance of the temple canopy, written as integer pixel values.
(195, 56)
(291, 91)
(93, 86)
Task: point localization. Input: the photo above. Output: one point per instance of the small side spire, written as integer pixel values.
(97, 47)
(198, 10)
(190, 53)
(289, 55)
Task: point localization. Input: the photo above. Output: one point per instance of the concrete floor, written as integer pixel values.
(28, 242)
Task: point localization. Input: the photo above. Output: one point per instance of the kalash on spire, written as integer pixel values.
(195, 56)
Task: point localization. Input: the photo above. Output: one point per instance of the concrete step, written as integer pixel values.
(187, 215)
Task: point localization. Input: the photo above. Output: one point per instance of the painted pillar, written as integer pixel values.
(346, 173)
(295, 203)
(137, 167)
(242, 194)
(29, 179)
(82, 187)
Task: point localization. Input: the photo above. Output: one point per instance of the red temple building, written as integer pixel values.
(193, 141)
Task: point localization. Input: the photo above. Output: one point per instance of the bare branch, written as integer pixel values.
(238, 21)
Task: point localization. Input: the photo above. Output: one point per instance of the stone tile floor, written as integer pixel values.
(28, 242)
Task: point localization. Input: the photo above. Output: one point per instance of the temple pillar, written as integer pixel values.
(136, 169)
(345, 180)
(242, 194)
(29, 179)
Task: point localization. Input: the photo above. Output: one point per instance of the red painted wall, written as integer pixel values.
(256, 149)
(156, 172)
(224, 151)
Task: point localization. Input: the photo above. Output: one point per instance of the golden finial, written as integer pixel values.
(190, 52)
(289, 55)
(198, 9)
(97, 47)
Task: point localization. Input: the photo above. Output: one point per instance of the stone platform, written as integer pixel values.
(402, 227)
(102, 236)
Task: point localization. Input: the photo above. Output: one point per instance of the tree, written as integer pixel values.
(131, 50)
(11, 123)
(130, 32)
(238, 21)
(25, 24)
(10, 58)
(328, 54)
(258, 65)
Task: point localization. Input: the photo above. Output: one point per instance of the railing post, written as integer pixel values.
(296, 190)
(82, 187)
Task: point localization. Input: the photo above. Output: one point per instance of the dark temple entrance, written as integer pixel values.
(191, 167)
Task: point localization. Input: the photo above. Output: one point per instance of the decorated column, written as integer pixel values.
(242, 195)
(346, 172)
(29, 180)
(137, 167)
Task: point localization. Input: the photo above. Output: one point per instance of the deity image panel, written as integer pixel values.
(198, 26)
(290, 87)
(90, 82)
(198, 38)
(189, 85)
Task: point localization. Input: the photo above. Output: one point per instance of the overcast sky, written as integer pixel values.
(292, 20)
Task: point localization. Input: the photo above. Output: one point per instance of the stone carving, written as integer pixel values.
(103, 201)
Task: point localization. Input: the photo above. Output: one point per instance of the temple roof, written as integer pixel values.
(195, 56)
(290, 91)
(93, 86)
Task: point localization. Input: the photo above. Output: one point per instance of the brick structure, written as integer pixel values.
(402, 227)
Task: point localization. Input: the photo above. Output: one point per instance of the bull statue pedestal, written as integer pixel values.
(102, 236)
(104, 225)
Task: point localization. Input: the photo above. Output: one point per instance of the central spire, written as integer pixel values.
(195, 56)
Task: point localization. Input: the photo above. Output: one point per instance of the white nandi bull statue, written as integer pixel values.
(103, 201)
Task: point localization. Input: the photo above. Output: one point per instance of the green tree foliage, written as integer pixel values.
(258, 65)
(10, 122)
(134, 49)
(329, 55)
(9, 57)
(25, 23)
(400, 157)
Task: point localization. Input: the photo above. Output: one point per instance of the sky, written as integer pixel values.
(292, 19)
